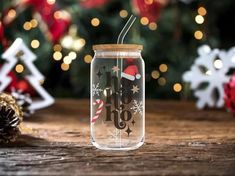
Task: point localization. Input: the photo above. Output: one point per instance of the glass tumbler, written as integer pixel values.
(117, 97)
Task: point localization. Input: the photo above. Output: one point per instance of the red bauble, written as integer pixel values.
(147, 8)
(229, 95)
(93, 3)
(57, 25)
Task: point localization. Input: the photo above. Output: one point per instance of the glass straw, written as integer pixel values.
(120, 40)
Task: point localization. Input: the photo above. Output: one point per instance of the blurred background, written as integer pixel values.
(61, 33)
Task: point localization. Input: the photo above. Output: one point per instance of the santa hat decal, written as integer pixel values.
(131, 73)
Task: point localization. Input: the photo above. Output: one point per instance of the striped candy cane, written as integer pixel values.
(99, 110)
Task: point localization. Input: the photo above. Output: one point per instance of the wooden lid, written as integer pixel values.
(117, 47)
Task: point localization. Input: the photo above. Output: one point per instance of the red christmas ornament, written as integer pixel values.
(229, 95)
(93, 3)
(57, 21)
(147, 8)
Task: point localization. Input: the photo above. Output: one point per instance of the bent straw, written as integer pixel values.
(125, 29)
(120, 40)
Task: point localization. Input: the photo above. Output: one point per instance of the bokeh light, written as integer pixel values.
(95, 22)
(163, 68)
(35, 43)
(19, 68)
(177, 87)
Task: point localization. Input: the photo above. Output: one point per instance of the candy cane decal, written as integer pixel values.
(99, 110)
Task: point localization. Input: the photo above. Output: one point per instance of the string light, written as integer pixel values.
(42, 81)
(88, 58)
(199, 19)
(57, 47)
(155, 74)
(34, 23)
(51, 2)
(61, 14)
(64, 67)
(57, 14)
(11, 13)
(35, 43)
(161, 81)
(67, 42)
(57, 55)
(144, 21)
(78, 44)
(27, 25)
(198, 35)
(177, 87)
(152, 26)
(123, 13)
(72, 55)
(67, 60)
(95, 22)
(163, 68)
(218, 64)
(202, 11)
(19, 68)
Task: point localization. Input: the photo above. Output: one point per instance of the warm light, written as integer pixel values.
(152, 26)
(163, 68)
(95, 22)
(11, 13)
(27, 26)
(88, 58)
(61, 14)
(201, 11)
(155, 74)
(57, 14)
(149, 2)
(218, 64)
(177, 87)
(64, 67)
(51, 2)
(198, 35)
(57, 47)
(78, 44)
(67, 41)
(199, 19)
(42, 81)
(161, 81)
(72, 55)
(144, 21)
(57, 55)
(123, 13)
(19, 68)
(67, 60)
(35, 43)
(34, 23)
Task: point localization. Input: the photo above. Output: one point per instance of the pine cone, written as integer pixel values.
(10, 118)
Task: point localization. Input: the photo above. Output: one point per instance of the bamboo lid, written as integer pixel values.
(117, 47)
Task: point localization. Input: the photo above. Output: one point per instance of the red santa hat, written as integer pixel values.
(131, 73)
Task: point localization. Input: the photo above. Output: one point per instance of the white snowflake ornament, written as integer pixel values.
(208, 75)
(20, 51)
(96, 89)
(137, 107)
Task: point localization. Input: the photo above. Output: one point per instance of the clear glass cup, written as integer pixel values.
(117, 97)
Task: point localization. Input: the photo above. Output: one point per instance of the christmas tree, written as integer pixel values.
(62, 32)
(19, 52)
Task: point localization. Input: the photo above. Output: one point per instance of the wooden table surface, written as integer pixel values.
(180, 140)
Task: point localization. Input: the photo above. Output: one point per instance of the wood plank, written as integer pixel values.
(180, 140)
